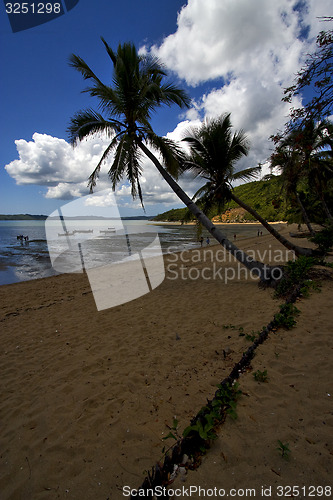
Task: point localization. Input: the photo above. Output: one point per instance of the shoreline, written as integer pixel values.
(88, 396)
(13, 271)
(249, 223)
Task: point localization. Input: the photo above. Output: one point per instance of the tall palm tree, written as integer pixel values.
(315, 142)
(305, 156)
(137, 90)
(289, 164)
(214, 153)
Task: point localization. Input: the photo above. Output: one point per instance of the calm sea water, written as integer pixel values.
(26, 260)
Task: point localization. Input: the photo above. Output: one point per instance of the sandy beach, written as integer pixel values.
(87, 395)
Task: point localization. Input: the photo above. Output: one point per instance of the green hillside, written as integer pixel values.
(264, 196)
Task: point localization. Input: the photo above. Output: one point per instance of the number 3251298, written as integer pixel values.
(33, 8)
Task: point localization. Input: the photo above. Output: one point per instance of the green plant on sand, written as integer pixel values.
(284, 450)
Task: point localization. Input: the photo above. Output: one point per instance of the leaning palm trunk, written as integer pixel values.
(326, 209)
(266, 273)
(305, 215)
(298, 250)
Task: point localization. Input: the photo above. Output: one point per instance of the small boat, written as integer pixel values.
(67, 233)
(112, 228)
(107, 231)
(83, 230)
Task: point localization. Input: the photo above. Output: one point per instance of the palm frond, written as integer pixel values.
(110, 52)
(88, 122)
(92, 180)
(247, 174)
(126, 164)
(170, 94)
(173, 155)
(80, 65)
(118, 167)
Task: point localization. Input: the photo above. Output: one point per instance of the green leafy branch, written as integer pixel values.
(224, 403)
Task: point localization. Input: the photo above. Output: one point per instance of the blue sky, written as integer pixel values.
(231, 55)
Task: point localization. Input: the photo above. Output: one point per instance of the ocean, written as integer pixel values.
(47, 252)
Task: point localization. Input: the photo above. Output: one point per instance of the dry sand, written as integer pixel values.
(87, 395)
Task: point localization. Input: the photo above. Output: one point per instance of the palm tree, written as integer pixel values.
(314, 141)
(214, 153)
(305, 156)
(288, 162)
(137, 90)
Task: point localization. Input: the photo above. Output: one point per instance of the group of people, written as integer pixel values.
(235, 236)
(208, 240)
(22, 238)
(202, 240)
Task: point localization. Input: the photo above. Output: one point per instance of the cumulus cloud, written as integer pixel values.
(53, 163)
(249, 52)
(219, 38)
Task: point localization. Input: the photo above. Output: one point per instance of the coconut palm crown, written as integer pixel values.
(136, 91)
(215, 150)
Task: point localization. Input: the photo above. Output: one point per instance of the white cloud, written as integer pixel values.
(67, 191)
(217, 38)
(51, 162)
(250, 51)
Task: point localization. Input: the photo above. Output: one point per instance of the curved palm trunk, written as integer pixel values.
(265, 272)
(326, 209)
(298, 250)
(305, 215)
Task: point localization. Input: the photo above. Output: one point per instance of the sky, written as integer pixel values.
(232, 56)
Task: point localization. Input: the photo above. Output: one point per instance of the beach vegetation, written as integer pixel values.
(204, 426)
(260, 376)
(173, 430)
(295, 275)
(251, 337)
(284, 449)
(234, 327)
(286, 317)
(308, 286)
(324, 239)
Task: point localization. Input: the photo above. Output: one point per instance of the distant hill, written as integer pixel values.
(79, 217)
(96, 217)
(22, 217)
(264, 196)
